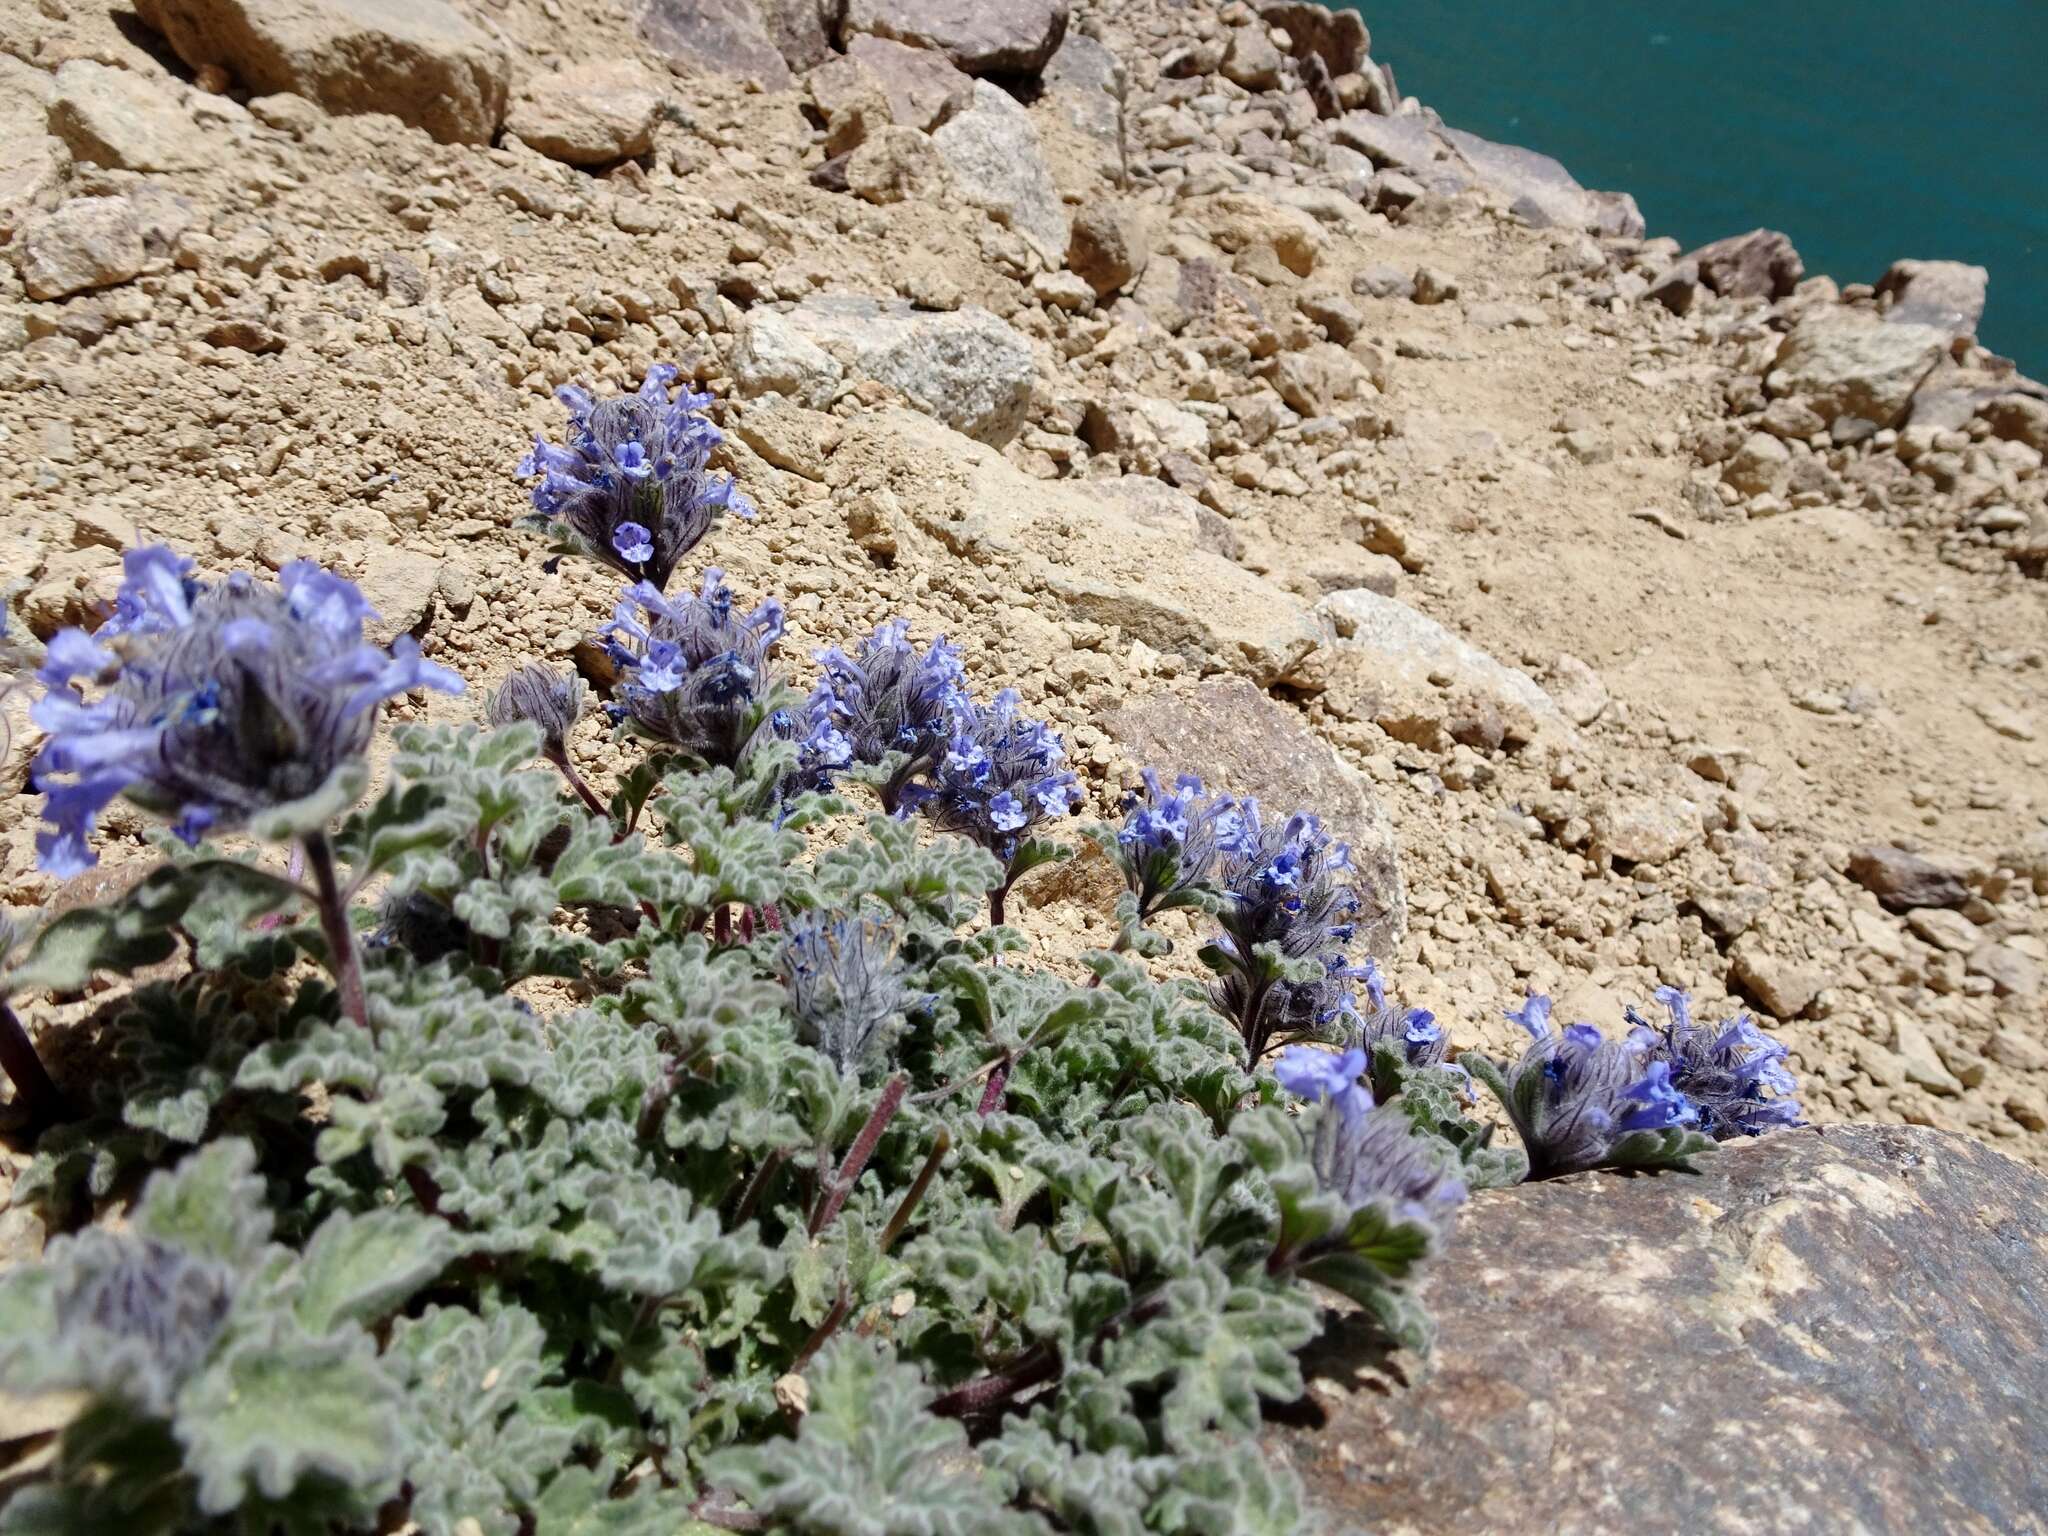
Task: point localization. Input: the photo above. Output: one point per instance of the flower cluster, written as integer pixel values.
(893, 705)
(1734, 1073)
(694, 674)
(633, 488)
(1001, 776)
(543, 697)
(1287, 908)
(844, 985)
(1422, 1040)
(219, 702)
(1577, 1098)
(1171, 841)
(1364, 1152)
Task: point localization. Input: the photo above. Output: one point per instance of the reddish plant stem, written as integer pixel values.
(751, 1196)
(342, 959)
(34, 1090)
(841, 1305)
(858, 1154)
(907, 1207)
(721, 927)
(578, 783)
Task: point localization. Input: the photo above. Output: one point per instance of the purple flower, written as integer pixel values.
(1576, 1096)
(1364, 1153)
(1285, 890)
(219, 701)
(633, 488)
(693, 674)
(999, 778)
(1732, 1071)
(1171, 841)
(895, 706)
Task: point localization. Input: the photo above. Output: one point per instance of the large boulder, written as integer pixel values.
(1948, 295)
(992, 149)
(119, 119)
(1848, 365)
(983, 37)
(1083, 550)
(1762, 264)
(1536, 188)
(1828, 1331)
(921, 86)
(1235, 738)
(726, 37)
(1337, 37)
(419, 60)
(1383, 661)
(965, 367)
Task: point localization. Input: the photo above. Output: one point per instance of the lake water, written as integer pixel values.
(1866, 132)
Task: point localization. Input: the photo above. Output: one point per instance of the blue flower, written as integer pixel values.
(1575, 1094)
(633, 488)
(1285, 888)
(1315, 1075)
(693, 675)
(896, 705)
(219, 701)
(844, 985)
(1172, 840)
(1000, 777)
(1365, 1153)
(1732, 1071)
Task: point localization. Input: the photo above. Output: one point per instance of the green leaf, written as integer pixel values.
(276, 1408)
(579, 1503)
(359, 1268)
(314, 812)
(213, 1205)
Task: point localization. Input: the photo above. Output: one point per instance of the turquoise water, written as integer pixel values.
(1865, 132)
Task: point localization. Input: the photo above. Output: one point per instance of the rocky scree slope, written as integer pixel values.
(1648, 616)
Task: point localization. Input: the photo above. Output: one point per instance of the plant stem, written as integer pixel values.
(334, 925)
(841, 1305)
(38, 1096)
(577, 782)
(858, 1154)
(751, 1196)
(907, 1207)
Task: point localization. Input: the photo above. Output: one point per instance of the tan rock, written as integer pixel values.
(589, 114)
(119, 119)
(89, 242)
(894, 165)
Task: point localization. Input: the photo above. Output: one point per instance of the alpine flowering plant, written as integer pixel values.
(632, 488)
(813, 1201)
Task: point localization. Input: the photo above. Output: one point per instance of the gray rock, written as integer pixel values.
(727, 37)
(1235, 738)
(1085, 553)
(89, 242)
(1762, 264)
(119, 119)
(1824, 1331)
(1783, 987)
(1846, 365)
(965, 368)
(993, 152)
(1762, 465)
(1541, 192)
(802, 30)
(419, 60)
(1944, 928)
(773, 356)
(1903, 881)
(589, 114)
(1081, 79)
(1251, 60)
(1948, 295)
(982, 37)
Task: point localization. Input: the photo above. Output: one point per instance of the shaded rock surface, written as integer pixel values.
(727, 37)
(589, 114)
(419, 60)
(1009, 39)
(1829, 1331)
(1948, 295)
(1236, 739)
(118, 119)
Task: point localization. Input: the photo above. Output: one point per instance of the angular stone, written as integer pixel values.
(1081, 78)
(1759, 265)
(1948, 295)
(1645, 830)
(1012, 38)
(1919, 1060)
(800, 29)
(1944, 929)
(966, 368)
(726, 37)
(1251, 60)
(1903, 881)
(1846, 1324)
(2018, 419)
(589, 114)
(1235, 738)
(1846, 365)
(2010, 972)
(1078, 548)
(1109, 244)
(1576, 688)
(1383, 661)
(1542, 193)
(89, 242)
(1338, 37)
(993, 152)
(1781, 986)
(1761, 465)
(773, 356)
(1319, 378)
(418, 60)
(119, 119)
(921, 86)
